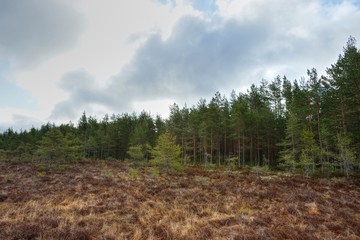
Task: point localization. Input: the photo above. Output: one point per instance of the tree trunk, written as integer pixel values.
(343, 114)
(251, 149)
(183, 149)
(211, 146)
(319, 134)
(243, 151)
(239, 151)
(194, 147)
(219, 154)
(225, 146)
(258, 162)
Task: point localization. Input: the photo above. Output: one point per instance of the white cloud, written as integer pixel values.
(18, 119)
(116, 56)
(103, 48)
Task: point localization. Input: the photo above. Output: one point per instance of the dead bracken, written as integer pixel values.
(104, 200)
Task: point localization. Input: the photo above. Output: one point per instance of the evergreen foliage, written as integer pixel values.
(308, 125)
(139, 152)
(56, 147)
(167, 154)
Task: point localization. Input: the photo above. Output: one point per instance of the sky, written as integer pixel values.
(59, 58)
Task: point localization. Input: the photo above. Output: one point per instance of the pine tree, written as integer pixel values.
(167, 154)
(139, 152)
(346, 154)
(57, 148)
(239, 112)
(290, 154)
(83, 132)
(309, 152)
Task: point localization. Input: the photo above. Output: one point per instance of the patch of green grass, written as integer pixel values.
(134, 173)
(40, 174)
(202, 180)
(8, 176)
(243, 210)
(49, 167)
(261, 169)
(106, 171)
(155, 172)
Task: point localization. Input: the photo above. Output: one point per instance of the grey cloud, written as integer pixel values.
(201, 57)
(196, 60)
(33, 30)
(83, 92)
(77, 80)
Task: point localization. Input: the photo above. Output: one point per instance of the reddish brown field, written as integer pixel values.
(111, 200)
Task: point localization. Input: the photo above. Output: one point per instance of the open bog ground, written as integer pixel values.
(113, 200)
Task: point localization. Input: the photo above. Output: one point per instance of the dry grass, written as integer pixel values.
(101, 200)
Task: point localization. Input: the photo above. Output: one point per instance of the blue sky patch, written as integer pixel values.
(12, 96)
(206, 6)
(335, 2)
(172, 2)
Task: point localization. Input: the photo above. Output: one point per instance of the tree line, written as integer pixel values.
(307, 125)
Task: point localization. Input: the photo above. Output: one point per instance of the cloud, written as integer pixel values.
(122, 56)
(196, 59)
(32, 31)
(22, 119)
(83, 93)
(203, 55)
(113, 31)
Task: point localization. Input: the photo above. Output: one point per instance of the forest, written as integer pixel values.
(308, 125)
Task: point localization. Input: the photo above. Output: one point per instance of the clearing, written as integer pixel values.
(114, 200)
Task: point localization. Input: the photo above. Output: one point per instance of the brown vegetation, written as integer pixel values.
(109, 200)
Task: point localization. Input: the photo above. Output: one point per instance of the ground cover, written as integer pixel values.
(114, 200)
